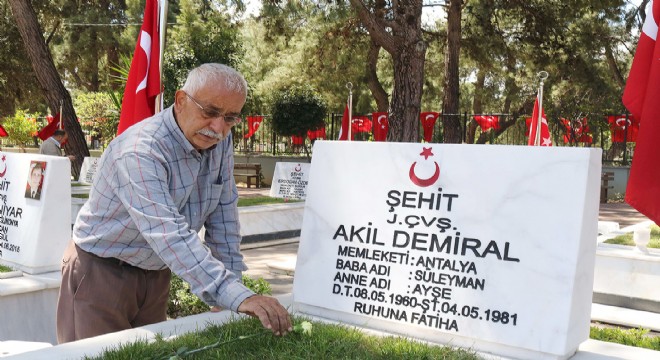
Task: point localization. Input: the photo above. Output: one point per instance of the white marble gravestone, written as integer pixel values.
(34, 230)
(486, 247)
(88, 170)
(290, 180)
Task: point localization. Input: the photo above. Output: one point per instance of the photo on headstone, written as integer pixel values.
(35, 180)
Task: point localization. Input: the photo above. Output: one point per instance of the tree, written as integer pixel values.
(55, 93)
(451, 123)
(399, 32)
(20, 128)
(297, 110)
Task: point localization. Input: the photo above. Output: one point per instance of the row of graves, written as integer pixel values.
(450, 244)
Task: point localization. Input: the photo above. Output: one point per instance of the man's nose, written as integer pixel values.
(219, 126)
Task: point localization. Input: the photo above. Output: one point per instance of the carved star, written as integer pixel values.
(426, 152)
(547, 142)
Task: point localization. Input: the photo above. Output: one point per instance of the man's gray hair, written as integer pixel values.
(215, 74)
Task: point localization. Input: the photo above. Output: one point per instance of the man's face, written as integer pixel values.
(195, 123)
(35, 178)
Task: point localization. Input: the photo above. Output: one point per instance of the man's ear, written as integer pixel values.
(179, 98)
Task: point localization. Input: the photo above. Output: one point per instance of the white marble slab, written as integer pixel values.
(489, 247)
(290, 180)
(34, 231)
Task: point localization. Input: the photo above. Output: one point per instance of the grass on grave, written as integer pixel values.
(251, 201)
(4, 269)
(246, 339)
(630, 337)
(263, 200)
(627, 239)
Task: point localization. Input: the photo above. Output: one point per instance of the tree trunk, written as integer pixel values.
(407, 94)
(379, 94)
(51, 84)
(401, 37)
(477, 106)
(450, 104)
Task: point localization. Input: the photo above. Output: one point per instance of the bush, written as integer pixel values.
(297, 110)
(182, 302)
(20, 128)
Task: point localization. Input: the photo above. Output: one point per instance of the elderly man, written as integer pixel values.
(53, 145)
(157, 184)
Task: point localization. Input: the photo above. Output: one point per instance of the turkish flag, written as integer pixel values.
(297, 140)
(381, 126)
(3, 132)
(253, 123)
(143, 84)
(360, 124)
(623, 129)
(316, 134)
(428, 122)
(641, 98)
(545, 131)
(576, 131)
(343, 132)
(487, 122)
(48, 130)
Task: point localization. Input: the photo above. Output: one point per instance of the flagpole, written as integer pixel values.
(542, 75)
(61, 107)
(162, 25)
(349, 86)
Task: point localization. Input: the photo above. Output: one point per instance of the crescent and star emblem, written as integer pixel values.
(298, 168)
(4, 167)
(145, 44)
(621, 122)
(426, 152)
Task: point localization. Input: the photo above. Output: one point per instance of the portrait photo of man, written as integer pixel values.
(35, 180)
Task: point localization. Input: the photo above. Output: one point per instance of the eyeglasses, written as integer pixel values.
(214, 114)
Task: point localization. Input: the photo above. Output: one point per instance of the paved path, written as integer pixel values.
(622, 213)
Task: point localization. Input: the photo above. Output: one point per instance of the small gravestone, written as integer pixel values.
(290, 180)
(88, 170)
(486, 247)
(35, 202)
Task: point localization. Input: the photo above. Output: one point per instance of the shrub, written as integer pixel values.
(182, 302)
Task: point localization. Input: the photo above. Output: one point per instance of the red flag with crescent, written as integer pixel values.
(316, 134)
(545, 131)
(343, 132)
(641, 98)
(381, 125)
(297, 140)
(360, 124)
(143, 84)
(487, 122)
(48, 130)
(3, 132)
(428, 122)
(623, 129)
(253, 124)
(576, 131)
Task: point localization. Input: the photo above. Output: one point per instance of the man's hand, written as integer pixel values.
(270, 312)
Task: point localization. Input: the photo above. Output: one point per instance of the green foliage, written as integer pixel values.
(246, 339)
(627, 239)
(182, 302)
(97, 111)
(20, 127)
(200, 35)
(630, 337)
(5, 269)
(297, 110)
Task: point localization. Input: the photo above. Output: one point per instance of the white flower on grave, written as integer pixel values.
(304, 327)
